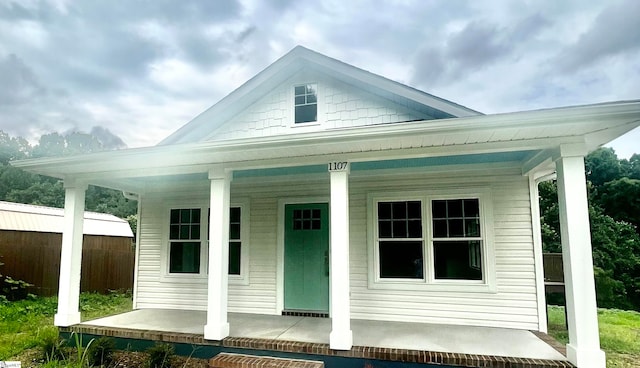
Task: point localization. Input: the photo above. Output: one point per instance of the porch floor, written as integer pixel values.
(396, 335)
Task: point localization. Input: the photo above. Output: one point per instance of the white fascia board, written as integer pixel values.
(189, 158)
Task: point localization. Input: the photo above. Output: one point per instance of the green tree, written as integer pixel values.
(620, 199)
(602, 165)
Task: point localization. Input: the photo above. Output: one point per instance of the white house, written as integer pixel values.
(318, 187)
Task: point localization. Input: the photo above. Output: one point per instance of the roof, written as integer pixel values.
(26, 217)
(202, 126)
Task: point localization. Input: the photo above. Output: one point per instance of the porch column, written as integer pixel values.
(71, 255)
(217, 327)
(341, 337)
(583, 349)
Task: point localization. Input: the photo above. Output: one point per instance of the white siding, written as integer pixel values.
(513, 304)
(339, 105)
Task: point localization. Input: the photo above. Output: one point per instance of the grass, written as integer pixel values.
(23, 324)
(619, 334)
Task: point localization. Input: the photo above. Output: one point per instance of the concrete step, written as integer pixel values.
(230, 360)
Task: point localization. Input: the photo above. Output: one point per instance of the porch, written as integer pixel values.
(309, 338)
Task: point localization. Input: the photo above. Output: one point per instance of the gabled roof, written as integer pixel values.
(26, 217)
(202, 125)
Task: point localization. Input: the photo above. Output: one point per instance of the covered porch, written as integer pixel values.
(373, 340)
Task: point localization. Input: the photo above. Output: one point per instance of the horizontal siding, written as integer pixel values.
(512, 305)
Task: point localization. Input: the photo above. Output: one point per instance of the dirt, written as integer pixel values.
(32, 358)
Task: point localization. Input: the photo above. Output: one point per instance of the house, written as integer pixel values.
(317, 188)
(30, 239)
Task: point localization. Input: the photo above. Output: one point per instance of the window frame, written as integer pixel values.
(166, 255)
(306, 103)
(429, 282)
(243, 277)
(292, 105)
(202, 275)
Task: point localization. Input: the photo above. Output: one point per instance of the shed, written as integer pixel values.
(30, 243)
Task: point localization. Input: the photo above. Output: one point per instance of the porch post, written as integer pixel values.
(217, 327)
(71, 255)
(583, 349)
(341, 337)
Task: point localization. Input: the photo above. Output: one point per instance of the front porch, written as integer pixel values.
(308, 337)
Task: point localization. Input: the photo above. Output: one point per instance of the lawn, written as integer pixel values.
(23, 324)
(619, 334)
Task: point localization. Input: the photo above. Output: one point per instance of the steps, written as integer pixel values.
(229, 360)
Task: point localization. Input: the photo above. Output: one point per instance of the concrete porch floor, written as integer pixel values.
(398, 335)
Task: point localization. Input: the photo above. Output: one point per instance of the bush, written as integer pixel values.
(51, 345)
(160, 355)
(100, 352)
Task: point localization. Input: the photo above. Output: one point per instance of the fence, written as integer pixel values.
(107, 261)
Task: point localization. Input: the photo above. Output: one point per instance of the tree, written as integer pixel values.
(621, 199)
(602, 165)
(20, 186)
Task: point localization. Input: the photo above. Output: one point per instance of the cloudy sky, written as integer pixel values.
(141, 69)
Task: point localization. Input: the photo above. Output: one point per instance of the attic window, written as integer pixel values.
(306, 103)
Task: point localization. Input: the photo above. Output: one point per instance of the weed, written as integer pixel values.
(51, 345)
(100, 353)
(160, 355)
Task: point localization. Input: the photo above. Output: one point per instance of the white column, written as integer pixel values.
(217, 327)
(71, 255)
(583, 349)
(341, 337)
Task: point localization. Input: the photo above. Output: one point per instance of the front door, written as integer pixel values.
(306, 257)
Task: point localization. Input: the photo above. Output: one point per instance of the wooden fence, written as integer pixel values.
(107, 261)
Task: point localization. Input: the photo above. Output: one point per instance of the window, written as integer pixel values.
(306, 103)
(184, 239)
(431, 239)
(400, 243)
(457, 240)
(235, 240)
(306, 219)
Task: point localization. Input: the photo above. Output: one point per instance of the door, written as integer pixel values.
(306, 257)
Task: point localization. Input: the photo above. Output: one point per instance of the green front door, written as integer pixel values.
(306, 257)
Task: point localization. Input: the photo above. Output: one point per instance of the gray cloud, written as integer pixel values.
(476, 45)
(143, 68)
(19, 83)
(614, 31)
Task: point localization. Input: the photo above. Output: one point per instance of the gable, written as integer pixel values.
(267, 95)
(339, 105)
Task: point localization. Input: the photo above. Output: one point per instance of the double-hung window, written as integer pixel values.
(184, 240)
(456, 237)
(400, 242)
(187, 230)
(431, 239)
(237, 241)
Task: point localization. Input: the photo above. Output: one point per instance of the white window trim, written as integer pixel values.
(429, 283)
(201, 277)
(245, 233)
(165, 254)
(319, 104)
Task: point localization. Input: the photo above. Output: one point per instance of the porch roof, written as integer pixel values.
(539, 132)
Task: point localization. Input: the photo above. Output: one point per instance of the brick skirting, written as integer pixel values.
(362, 352)
(227, 360)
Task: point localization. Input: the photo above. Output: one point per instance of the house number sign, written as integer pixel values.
(338, 166)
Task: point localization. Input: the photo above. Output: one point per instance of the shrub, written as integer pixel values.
(100, 352)
(51, 345)
(160, 355)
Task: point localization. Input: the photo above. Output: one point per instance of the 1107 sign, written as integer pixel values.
(338, 166)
